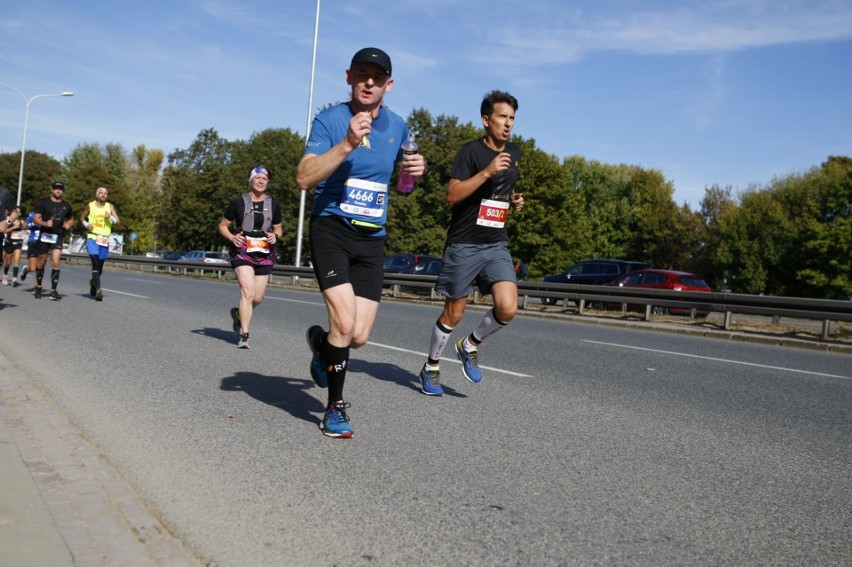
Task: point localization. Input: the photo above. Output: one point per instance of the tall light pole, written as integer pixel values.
(301, 224)
(28, 102)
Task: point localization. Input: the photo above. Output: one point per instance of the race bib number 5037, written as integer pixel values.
(492, 213)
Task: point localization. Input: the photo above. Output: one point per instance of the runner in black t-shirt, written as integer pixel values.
(55, 217)
(258, 219)
(481, 190)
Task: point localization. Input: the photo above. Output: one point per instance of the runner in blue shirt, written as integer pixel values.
(350, 156)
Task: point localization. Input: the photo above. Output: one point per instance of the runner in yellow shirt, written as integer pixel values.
(98, 218)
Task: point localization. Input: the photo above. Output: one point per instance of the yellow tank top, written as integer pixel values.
(99, 219)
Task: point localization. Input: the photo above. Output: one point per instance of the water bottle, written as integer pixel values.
(404, 181)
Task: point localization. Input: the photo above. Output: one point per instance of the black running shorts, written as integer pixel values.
(341, 255)
(258, 270)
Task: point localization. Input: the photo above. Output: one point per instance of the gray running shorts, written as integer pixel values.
(466, 265)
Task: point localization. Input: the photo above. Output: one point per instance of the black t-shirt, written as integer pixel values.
(59, 212)
(236, 211)
(481, 218)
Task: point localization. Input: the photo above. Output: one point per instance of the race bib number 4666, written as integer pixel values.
(492, 213)
(364, 198)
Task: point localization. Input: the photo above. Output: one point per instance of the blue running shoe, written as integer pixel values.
(470, 362)
(335, 423)
(318, 370)
(430, 382)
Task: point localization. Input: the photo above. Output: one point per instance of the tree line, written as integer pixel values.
(791, 236)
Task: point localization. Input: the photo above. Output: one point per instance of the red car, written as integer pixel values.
(662, 279)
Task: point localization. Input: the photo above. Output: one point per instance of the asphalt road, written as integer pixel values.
(583, 445)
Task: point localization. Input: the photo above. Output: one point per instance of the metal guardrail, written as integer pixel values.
(584, 296)
(824, 310)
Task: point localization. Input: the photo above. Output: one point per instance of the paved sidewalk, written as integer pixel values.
(61, 502)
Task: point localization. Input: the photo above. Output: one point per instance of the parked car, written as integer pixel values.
(594, 272)
(424, 268)
(402, 263)
(172, 255)
(660, 279)
(206, 257)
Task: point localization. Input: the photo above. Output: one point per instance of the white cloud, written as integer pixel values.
(712, 27)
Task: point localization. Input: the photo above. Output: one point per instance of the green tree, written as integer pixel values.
(717, 203)
(754, 242)
(40, 170)
(817, 263)
(196, 183)
(550, 233)
(606, 207)
(654, 216)
(142, 179)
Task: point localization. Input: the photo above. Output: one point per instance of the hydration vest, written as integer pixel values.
(248, 214)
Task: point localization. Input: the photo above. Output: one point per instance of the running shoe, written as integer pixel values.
(243, 342)
(335, 422)
(24, 272)
(318, 370)
(15, 283)
(54, 295)
(470, 362)
(99, 295)
(235, 317)
(5, 280)
(430, 382)
(37, 292)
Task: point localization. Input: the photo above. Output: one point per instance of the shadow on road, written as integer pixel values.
(288, 394)
(395, 374)
(215, 333)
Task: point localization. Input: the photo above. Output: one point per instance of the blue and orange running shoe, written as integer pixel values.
(335, 422)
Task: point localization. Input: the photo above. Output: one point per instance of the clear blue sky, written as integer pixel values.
(727, 92)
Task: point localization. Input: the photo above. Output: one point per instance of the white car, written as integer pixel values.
(206, 257)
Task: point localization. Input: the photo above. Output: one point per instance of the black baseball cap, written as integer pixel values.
(372, 55)
(58, 185)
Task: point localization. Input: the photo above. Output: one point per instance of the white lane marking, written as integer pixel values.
(722, 360)
(144, 281)
(295, 300)
(423, 354)
(125, 293)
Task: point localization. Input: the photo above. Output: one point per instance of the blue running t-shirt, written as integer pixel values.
(358, 189)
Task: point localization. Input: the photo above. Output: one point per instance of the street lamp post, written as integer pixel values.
(301, 224)
(28, 101)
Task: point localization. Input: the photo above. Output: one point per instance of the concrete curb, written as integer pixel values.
(61, 502)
